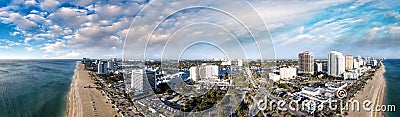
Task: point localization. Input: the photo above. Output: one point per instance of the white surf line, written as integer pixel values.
(80, 114)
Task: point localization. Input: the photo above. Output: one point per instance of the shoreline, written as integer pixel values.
(374, 91)
(69, 103)
(83, 101)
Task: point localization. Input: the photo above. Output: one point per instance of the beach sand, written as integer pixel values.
(87, 102)
(374, 91)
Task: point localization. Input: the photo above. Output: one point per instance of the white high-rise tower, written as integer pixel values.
(336, 63)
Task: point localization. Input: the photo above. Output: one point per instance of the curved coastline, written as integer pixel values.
(83, 101)
(374, 91)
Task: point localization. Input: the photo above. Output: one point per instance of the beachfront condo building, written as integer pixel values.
(336, 64)
(306, 62)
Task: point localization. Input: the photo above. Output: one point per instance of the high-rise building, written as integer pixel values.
(306, 62)
(151, 78)
(349, 62)
(143, 81)
(110, 65)
(374, 62)
(317, 67)
(102, 68)
(208, 71)
(194, 73)
(287, 72)
(336, 63)
(357, 61)
(240, 62)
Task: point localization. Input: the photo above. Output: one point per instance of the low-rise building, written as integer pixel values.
(351, 75)
(310, 91)
(287, 72)
(274, 77)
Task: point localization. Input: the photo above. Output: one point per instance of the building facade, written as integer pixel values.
(110, 65)
(351, 75)
(208, 71)
(142, 80)
(194, 73)
(287, 72)
(102, 68)
(317, 67)
(336, 64)
(306, 62)
(274, 77)
(349, 62)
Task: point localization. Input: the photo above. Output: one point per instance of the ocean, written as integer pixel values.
(34, 88)
(392, 76)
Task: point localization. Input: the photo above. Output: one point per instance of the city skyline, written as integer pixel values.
(59, 29)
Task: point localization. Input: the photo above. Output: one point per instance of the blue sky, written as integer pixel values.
(98, 29)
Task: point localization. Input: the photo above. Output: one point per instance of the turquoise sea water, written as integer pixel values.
(34, 88)
(392, 76)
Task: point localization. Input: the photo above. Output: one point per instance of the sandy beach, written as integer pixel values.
(85, 102)
(374, 91)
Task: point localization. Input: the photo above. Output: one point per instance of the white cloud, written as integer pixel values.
(35, 12)
(37, 18)
(109, 11)
(68, 16)
(21, 22)
(4, 47)
(72, 54)
(30, 2)
(57, 47)
(372, 32)
(49, 5)
(29, 49)
(26, 40)
(14, 33)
